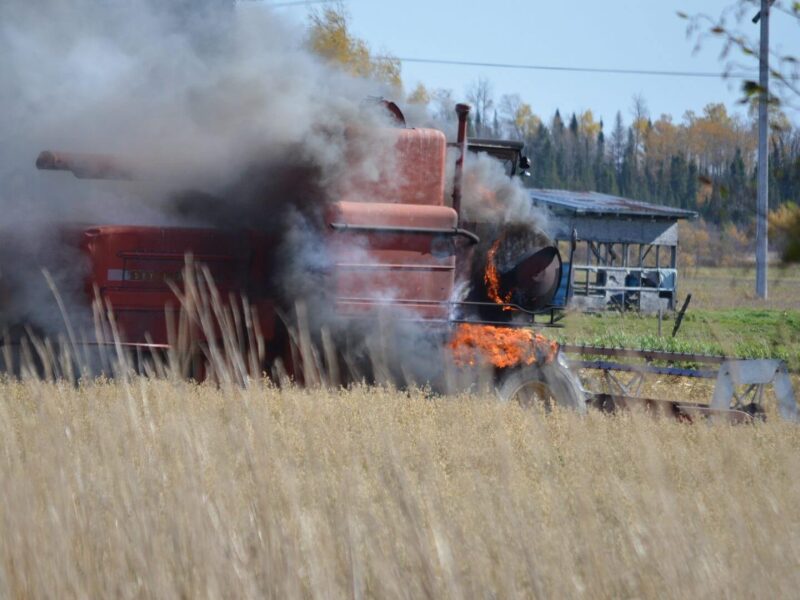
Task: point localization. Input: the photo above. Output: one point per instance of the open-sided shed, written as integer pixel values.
(627, 251)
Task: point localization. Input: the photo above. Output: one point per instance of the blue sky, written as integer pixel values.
(627, 34)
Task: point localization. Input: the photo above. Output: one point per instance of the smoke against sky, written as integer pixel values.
(191, 94)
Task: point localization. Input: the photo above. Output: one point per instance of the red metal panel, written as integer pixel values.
(138, 258)
(396, 215)
(413, 174)
(402, 270)
(132, 268)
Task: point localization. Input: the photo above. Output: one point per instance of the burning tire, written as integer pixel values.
(542, 385)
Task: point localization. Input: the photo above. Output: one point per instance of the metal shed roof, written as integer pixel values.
(595, 203)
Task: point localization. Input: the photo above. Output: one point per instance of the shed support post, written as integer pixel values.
(588, 264)
(673, 261)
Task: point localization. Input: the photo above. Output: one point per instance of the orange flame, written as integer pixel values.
(492, 279)
(500, 346)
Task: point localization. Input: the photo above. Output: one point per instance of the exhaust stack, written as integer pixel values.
(462, 110)
(84, 166)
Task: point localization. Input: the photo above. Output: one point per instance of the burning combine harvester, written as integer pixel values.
(478, 291)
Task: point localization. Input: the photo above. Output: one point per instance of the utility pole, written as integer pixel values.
(762, 206)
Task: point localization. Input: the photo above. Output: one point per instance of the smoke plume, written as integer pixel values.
(225, 118)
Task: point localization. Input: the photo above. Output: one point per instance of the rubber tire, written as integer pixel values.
(556, 378)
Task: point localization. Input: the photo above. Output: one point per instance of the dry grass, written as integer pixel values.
(148, 488)
(157, 487)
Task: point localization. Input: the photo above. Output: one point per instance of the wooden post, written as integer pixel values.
(679, 318)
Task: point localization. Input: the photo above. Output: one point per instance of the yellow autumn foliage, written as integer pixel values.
(784, 224)
(420, 95)
(331, 38)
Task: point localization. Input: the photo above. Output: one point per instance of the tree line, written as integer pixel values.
(706, 162)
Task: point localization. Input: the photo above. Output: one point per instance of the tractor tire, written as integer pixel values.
(544, 386)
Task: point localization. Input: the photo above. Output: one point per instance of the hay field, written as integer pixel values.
(734, 287)
(157, 489)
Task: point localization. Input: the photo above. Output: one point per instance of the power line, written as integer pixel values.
(296, 3)
(465, 63)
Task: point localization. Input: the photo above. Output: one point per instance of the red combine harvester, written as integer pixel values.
(404, 252)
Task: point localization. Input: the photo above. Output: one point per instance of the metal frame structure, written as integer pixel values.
(610, 278)
(627, 254)
(738, 391)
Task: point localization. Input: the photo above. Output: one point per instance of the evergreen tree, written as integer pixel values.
(617, 146)
(678, 175)
(543, 160)
(628, 175)
(603, 175)
(739, 192)
(557, 128)
(559, 150)
(777, 192)
(692, 187)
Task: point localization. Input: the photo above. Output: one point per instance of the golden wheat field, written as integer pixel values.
(150, 488)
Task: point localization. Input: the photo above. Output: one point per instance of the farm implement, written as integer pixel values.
(479, 291)
(739, 388)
